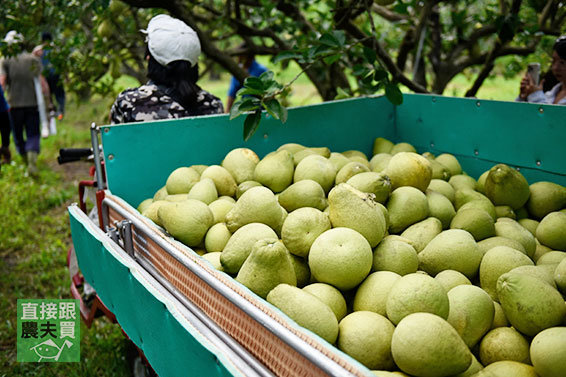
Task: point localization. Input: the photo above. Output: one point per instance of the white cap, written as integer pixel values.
(13, 37)
(170, 39)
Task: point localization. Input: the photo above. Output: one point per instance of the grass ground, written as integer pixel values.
(35, 235)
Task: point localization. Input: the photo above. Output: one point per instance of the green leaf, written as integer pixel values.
(266, 76)
(340, 37)
(242, 105)
(332, 58)
(380, 75)
(360, 70)
(393, 94)
(369, 54)
(274, 108)
(342, 94)
(253, 83)
(249, 92)
(251, 124)
(329, 39)
(286, 55)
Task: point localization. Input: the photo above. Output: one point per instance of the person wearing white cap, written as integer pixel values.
(17, 76)
(173, 49)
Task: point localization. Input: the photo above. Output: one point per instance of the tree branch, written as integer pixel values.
(388, 14)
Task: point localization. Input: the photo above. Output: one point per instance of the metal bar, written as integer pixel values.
(94, 130)
(310, 353)
(126, 233)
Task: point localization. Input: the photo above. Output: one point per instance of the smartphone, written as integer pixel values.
(533, 69)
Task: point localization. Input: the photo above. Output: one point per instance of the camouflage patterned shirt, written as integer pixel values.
(149, 102)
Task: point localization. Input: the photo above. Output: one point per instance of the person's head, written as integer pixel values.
(245, 57)
(46, 37)
(558, 66)
(173, 49)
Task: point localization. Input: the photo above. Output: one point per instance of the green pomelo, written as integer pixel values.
(223, 180)
(317, 168)
(552, 257)
(460, 181)
(144, 204)
(257, 205)
(245, 186)
(161, 194)
(302, 270)
(530, 304)
(421, 233)
(188, 221)
(476, 221)
(330, 296)
(402, 147)
(349, 170)
(151, 211)
(560, 276)
(177, 197)
(409, 169)
(305, 309)
(424, 345)
(474, 368)
(214, 260)
(504, 343)
(548, 350)
(440, 207)
(442, 187)
(204, 190)
(351, 208)
(545, 197)
(415, 293)
(216, 238)
(406, 206)
(372, 183)
(538, 272)
(372, 293)
(199, 168)
(439, 171)
(505, 211)
(240, 245)
(451, 162)
(465, 194)
(507, 368)
(268, 265)
(540, 250)
(496, 262)
(241, 163)
(382, 145)
(341, 257)
(521, 213)
(453, 249)
(338, 160)
(506, 227)
(480, 185)
(395, 254)
(301, 228)
(291, 147)
(530, 225)
(227, 198)
(451, 278)
(321, 151)
(471, 312)
(379, 162)
(304, 193)
(499, 319)
(366, 337)
(491, 242)
(275, 171)
(220, 208)
(551, 231)
(506, 186)
(484, 204)
(360, 159)
(181, 180)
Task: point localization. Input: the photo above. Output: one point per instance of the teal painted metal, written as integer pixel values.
(143, 154)
(171, 344)
(481, 133)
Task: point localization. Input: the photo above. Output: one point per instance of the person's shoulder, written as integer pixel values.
(208, 103)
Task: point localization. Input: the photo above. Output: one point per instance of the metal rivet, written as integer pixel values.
(478, 104)
(541, 110)
(431, 144)
(110, 157)
(538, 163)
(265, 136)
(476, 152)
(433, 99)
(106, 130)
(518, 168)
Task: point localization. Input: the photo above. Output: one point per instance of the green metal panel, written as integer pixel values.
(140, 156)
(482, 133)
(171, 344)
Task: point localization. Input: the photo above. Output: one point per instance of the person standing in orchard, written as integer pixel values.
(173, 49)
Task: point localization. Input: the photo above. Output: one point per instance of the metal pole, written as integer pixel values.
(94, 131)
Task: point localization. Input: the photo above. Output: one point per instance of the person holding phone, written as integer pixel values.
(531, 90)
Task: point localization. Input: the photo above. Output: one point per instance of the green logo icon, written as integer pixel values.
(48, 330)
